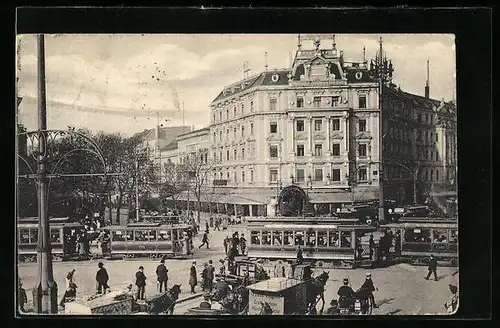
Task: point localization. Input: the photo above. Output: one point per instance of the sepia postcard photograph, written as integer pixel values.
(236, 174)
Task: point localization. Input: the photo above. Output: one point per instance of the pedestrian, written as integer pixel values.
(140, 282)
(235, 244)
(210, 275)
(452, 304)
(243, 244)
(372, 246)
(193, 281)
(226, 244)
(300, 258)
(70, 278)
(102, 279)
(22, 298)
(432, 268)
(204, 274)
(204, 240)
(206, 225)
(162, 276)
(369, 288)
(69, 294)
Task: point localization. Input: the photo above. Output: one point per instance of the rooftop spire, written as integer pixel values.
(427, 93)
(364, 54)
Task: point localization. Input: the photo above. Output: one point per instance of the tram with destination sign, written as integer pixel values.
(150, 240)
(422, 237)
(325, 242)
(63, 234)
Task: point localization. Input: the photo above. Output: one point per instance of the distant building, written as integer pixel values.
(316, 126)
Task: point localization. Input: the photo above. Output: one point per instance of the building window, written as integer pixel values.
(227, 133)
(336, 124)
(437, 137)
(227, 114)
(300, 125)
(336, 149)
(362, 125)
(437, 175)
(234, 133)
(318, 125)
(242, 131)
(220, 156)
(437, 156)
(235, 154)
(335, 101)
(220, 135)
(272, 104)
(432, 175)
(318, 175)
(215, 176)
(242, 176)
(251, 129)
(234, 111)
(251, 176)
(362, 101)
(215, 156)
(273, 175)
(215, 136)
(335, 174)
(242, 109)
(214, 117)
(362, 150)
(300, 102)
(251, 106)
(318, 150)
(300, 150)
(317, 101)
(242, 153)
(362, 174)
(300, 175)
(235, 176)
(227, 175)
(273, 151)
(227, 155)
(273, 127)
(220, 116)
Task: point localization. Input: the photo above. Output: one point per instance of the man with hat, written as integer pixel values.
(193, 280)
(243, 244)
(432, 268)
(369, 288)
(102, 279)
(346, 295)
(334, 309)
(162, 276)
(221, 288)
(140, 282)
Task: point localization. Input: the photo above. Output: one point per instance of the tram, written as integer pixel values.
(421, 237)
(324, 241)
(61, 232)
(162, 219)
(150, 240)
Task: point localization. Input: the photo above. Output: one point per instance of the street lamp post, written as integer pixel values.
(308, 186)
(45, 292)
(278, 189)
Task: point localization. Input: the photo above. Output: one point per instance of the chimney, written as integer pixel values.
(427, 82)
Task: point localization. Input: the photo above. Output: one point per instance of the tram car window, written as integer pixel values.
(439, 236)
(164, 235)
(418, 235)
(345, 239)
(255, 238)
(334, 239)
(453, 237)
(118, 235)
(277, 238)
(266, 238)
(24, 236)
(140, 235)
(322, 239)
(299, 238)
(288, 238)
(55, 236)
(311, 238)
(151, 235)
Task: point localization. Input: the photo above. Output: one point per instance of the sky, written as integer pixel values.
(120, 83)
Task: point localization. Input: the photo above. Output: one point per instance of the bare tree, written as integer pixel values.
(198, 168)
(175, 181)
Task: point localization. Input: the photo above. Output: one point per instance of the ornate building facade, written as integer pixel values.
(316, 125)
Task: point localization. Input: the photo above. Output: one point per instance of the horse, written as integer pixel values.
(265, 309)
(164, 302)
(316, 292)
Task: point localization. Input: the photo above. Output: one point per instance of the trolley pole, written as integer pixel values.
(45, 292)
(381, 201)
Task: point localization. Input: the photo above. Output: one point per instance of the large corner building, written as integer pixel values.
(316, 126)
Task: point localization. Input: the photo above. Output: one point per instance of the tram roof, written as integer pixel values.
(302, 220)
(33, 225)
(34, 219)
(147, 225)
(315, 226)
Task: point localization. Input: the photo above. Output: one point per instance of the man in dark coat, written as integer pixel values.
(210, 275)
(372, 246)
(235, 244)
(369, 288)
(204, 240)
(204, 274)
(300, 258)
(162, 276)
(140, 282)
(226, 244)
(102, 279)
(346, 295)
(432, 268)
(193, 280)
(243, 244)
